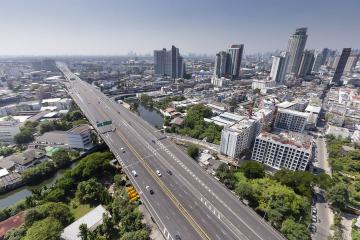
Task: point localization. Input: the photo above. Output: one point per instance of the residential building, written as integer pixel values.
(26, 159)
(84, 130)
(222, 64)
(169, 63)
(263, 84)
(227, 64)
(278, 67)
(291, 120)
(237, 137)
(61, 139)
(8, 129)
(220, 81)
(235, 51)
(351, 63)
(341, 66)
(92, 220)
(286, 150)
(295, 48)
(320, 59)
(307, 62)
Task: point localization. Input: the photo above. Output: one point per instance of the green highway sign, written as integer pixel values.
(105, 123)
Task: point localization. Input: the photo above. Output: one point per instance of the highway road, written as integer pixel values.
(189, 203)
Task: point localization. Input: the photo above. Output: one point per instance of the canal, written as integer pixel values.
(150, 115)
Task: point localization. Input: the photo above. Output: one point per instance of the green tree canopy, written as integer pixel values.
(252, 169)
(294, 231)
(338, 195)
(46, 229)
(193, 151)
(24, 137)
(61, 157)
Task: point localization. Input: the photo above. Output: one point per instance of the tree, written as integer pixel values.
(193, 151)
(338, 195)
(90, 191)
(294, 231)
(142, 234)
(46, 229)
(61, 157)
(24, 137)
(15, 233)
(252, 169)
(58, 211)
(83, 232)
(300, 181)
(245, 191)
(226, 175)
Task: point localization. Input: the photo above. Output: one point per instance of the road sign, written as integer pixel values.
(105, 123)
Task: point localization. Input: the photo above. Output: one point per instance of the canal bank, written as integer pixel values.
(12, 197)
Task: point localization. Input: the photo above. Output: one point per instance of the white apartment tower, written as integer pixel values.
(287, 150)
(278, 67)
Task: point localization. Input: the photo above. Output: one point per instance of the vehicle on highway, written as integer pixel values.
(313, 228)
(153, 141)
(158, 173)
(122, 150)
(134, 173)
(177, 237)
(149, 189)
(314, 211)
(169, 172)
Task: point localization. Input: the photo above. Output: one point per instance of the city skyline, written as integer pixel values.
(113, 28)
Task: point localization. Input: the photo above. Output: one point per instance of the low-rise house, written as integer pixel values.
(92, 219)
(26, 159)
(12, 222)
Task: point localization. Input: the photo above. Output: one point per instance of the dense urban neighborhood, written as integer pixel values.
(174, 145)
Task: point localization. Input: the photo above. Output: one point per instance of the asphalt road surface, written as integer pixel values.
(189, 202)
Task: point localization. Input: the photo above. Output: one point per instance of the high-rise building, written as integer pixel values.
(278, 67)
(341, 66)
(222, 64)
(320, 59)
(236, 52)
(351, 63)
(296, 46)
(287, 150)
(169, 63)
(292, 120)
(227, 64)
(307, 62)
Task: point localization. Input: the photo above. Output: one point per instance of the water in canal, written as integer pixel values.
(150, 115)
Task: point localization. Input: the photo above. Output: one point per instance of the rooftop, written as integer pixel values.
(289, 138)
(92, 219)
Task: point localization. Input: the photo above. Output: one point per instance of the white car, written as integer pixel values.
(134, 173)
(158, 173)
(122, 150)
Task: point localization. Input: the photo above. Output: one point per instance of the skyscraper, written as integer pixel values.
(295, 48)
(351, 63)
(236, 52)
(307, 62)
(227, 64)
(169, 63)
(278, 67)
(341, 66)
(320, 59)
(222, 64)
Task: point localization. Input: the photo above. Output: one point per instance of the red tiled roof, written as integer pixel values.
(12, 222)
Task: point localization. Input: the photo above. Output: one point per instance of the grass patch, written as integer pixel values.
(79, 210)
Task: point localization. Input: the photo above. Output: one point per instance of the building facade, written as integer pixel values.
(291, 151)
(351, 63)
(278, 67)
(295, 48)
(291, 120)
(227, 64)
(341, 66)
(8, 129)
(307, 62)
(169, 63)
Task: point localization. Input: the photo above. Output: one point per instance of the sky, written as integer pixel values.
(116, 27)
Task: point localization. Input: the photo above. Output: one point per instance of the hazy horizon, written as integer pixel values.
(114, 28)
